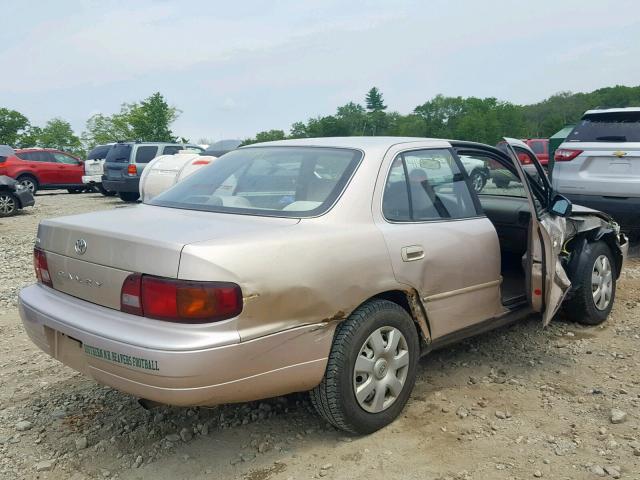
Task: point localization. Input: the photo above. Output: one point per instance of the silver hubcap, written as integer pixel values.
(381, 369)
(28, 184)
(476, 180)
(602, 282)
(7, 204)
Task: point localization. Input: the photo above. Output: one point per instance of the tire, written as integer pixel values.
(335, 398)
(9, 204)
(104, 191)
(585, 306)
(501, 182)
(129, 196)
(478, 180)
(29, 182)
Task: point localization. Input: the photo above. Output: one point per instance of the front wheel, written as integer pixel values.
(129, 196)
(594, 286)
(8, 204)
(371, 368)
(478, 180)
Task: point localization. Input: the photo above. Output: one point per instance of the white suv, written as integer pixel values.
(598, 165)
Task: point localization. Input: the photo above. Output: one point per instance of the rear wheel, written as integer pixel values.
(8, 204)
(501, 182)
(104, 191)
(129, 196)
(28, 182)
(371, 368)
(595, 287)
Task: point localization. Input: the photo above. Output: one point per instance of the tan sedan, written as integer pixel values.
(328, 265)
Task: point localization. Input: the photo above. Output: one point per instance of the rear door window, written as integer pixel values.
(66, 159)
(427, 185)
(607, 127)
(146, 153)
(172, 149)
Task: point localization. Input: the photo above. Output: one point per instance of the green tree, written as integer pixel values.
(151, 119)
(354, 117)
(30, 137)
(101, 129)
(57, 133)
(266, 136)
(13, 125)
(374, 100)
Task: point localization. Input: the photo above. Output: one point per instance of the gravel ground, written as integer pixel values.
(520, 402)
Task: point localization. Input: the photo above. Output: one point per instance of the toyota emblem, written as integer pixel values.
(80, 246)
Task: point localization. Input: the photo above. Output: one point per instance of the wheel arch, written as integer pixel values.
(580, 246)
(28, 173)
(409, 300)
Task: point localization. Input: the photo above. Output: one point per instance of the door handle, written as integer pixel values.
(412, 253)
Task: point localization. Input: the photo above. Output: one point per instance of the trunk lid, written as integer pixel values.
(90, 255)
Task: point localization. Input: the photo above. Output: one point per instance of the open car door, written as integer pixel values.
(548, 280)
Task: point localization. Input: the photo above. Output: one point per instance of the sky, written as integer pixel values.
(236, 68)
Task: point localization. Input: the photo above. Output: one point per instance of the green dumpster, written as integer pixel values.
(554, 142)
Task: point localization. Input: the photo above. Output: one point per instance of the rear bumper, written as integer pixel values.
(130, 184)
(624, 210)
(285, 362)
(92, 179)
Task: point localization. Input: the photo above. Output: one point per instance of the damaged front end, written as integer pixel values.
(585, 227)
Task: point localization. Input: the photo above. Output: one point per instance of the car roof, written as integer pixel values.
(612, 110)
(38, 149)
(360, 143)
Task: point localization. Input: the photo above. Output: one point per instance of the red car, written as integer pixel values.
(44, 168)
(540, 147)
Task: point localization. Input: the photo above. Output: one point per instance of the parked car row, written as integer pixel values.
(377, 271)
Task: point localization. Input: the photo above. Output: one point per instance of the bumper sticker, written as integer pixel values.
(121, 358)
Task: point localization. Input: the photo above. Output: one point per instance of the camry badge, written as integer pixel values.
(80, 246)
(619, 154)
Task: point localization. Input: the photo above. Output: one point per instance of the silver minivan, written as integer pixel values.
(598, 165)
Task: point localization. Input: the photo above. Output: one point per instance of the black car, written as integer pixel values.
(13, 196)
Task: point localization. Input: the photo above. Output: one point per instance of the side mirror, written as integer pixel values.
(561, 206)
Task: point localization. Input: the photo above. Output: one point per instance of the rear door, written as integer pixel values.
(548, 280)
(143, 154)
(42, 164)
(439, 242)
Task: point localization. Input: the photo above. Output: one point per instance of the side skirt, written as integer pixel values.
(482, 327)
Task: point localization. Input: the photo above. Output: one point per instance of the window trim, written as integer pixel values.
(476, 202)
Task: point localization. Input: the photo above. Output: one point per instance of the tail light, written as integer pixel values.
(566, 154)
(524, 159)
(132, 170)
(180, 301)
(41, 267)
(201, 162)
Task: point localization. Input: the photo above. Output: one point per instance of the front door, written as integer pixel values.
(549, 282)
(439, 243)
(70, 169)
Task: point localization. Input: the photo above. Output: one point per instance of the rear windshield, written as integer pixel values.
(607, 127)
(119, 153)
(271, 181)
(99, 152)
